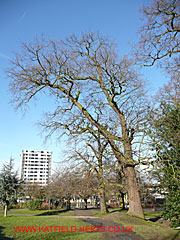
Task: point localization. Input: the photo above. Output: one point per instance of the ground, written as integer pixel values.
(151, 228)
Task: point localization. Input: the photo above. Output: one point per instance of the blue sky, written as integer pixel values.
(21, 21)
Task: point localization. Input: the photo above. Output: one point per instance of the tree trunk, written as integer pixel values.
(103, 207)
(123, 202)
(48, 204)
(96, 202)
(135, 207)
(5, 210)
(68, 204)
(85, 200)
(61, 203)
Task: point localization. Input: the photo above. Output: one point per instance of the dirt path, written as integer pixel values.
(82, 212)
(107, 221)
(113, 235)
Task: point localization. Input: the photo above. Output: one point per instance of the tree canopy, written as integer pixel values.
(165, 136)
(160, 32)
(9, 185)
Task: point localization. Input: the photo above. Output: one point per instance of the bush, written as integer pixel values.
(171, 210)
(13, 206)
(44, 206)
(34, 205)
(23, 205)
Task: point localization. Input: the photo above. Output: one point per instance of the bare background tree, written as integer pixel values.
(160, 36)
(94, 153)
(85, 144)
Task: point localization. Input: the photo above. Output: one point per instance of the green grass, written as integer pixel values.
(153, 214)
(41, 212)
(98, 213)
(7, 228)
(147, 229)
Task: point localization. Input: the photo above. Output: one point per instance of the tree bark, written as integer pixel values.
(103, 207)
(85, 201)
(135, 207)
(5, 210)
(96, 202)
(123, 202)
(48, 204)
(68, 204)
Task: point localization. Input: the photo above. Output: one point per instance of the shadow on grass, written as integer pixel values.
(2, 236)
(86, 209)
(117, 210)
(49, 213)
(154, 219)
(58, 212)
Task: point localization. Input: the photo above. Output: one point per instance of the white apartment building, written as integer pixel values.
(35, 166)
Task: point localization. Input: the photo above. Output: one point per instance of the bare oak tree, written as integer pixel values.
(78, 72)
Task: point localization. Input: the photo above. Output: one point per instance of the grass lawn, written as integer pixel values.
(98, 213)
(42, 212)
(147, 229)
(152, 214)
(147, 214)
(7, 228)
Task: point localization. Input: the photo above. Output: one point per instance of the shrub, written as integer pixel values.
(44, 206)
(23, 205)
(171, 210)
(34, 205)
(13, 206)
